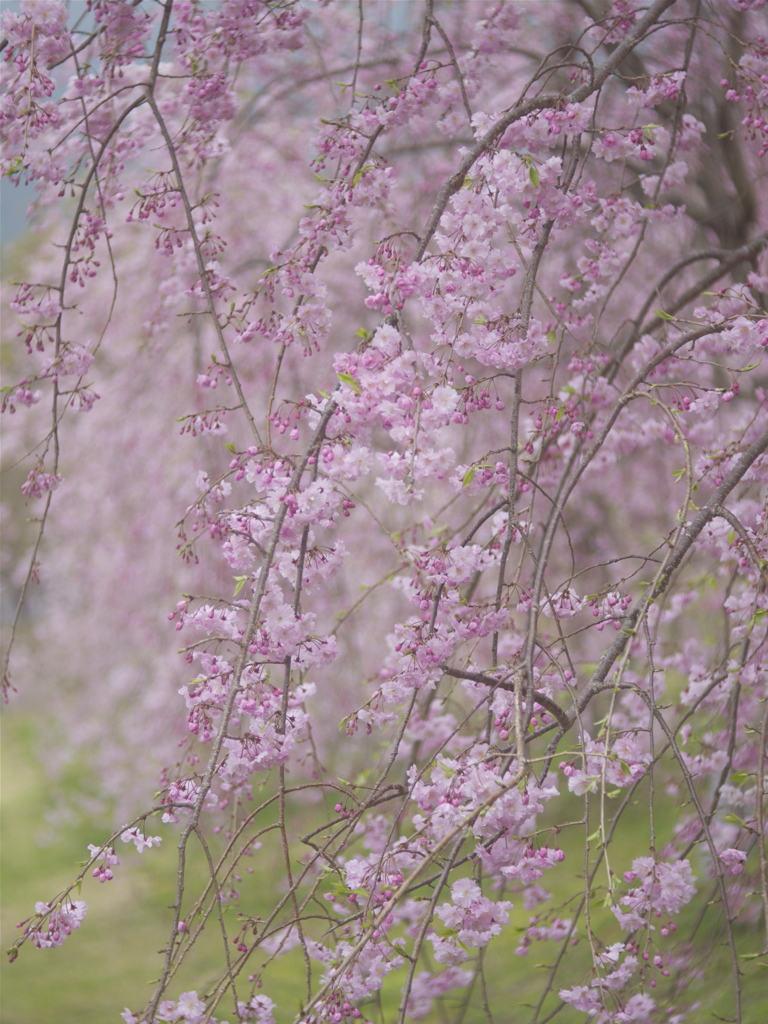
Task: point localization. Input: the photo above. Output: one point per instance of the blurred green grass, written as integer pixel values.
(110, 963)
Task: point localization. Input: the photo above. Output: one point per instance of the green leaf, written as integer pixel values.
(361, 172)
(469, 476)
(678, 474)
(240, 581)
(663, 315)
(230, 446)
(552, 336)
(14, 167)
(734, 819)
(340, 891)
(347, 378)
(739, 777)
(533, 174)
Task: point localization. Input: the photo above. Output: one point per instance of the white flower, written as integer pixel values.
(140, 841)
(465, 892)
(189, 1005)
(445, 399)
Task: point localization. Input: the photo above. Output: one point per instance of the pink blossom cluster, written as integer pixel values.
(52, 925)
(657, 888)
(39, 483)
(430, 340)
(471, 919)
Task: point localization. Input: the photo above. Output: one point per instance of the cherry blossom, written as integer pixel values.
(418, 514)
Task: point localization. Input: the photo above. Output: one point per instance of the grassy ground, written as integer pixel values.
(109, 963)
(112, 960)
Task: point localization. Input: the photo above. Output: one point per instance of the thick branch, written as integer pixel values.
(511, 685)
